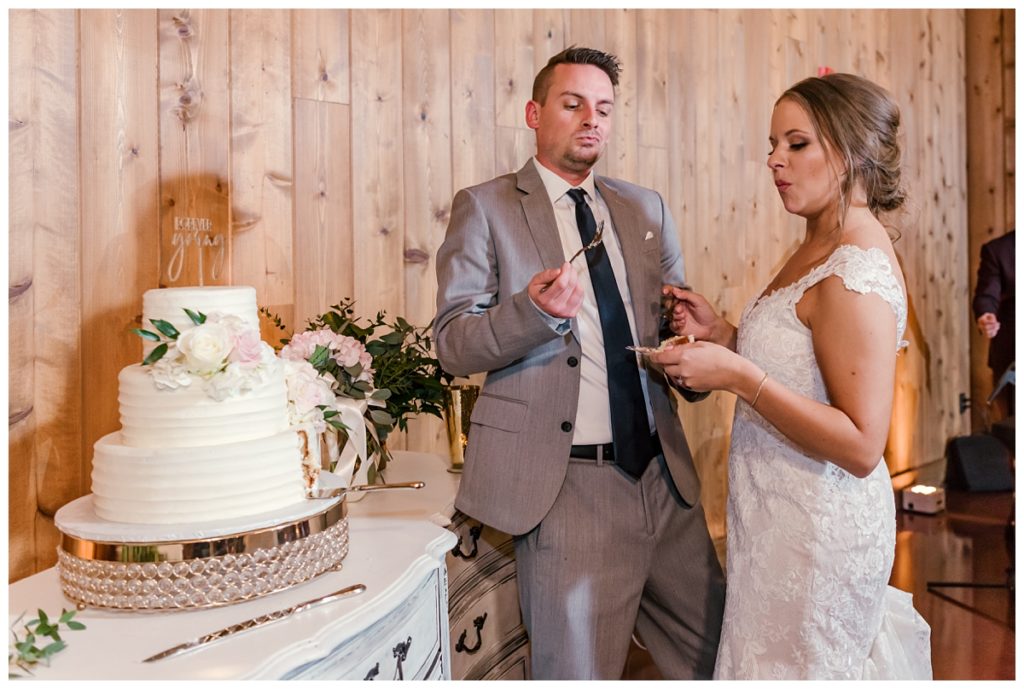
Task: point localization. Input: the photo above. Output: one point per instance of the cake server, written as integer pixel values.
(255, 622)
(321, 493)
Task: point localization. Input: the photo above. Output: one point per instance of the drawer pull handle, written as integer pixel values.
(374, 671)
(474, 533)
(462, 647)
(401, 652)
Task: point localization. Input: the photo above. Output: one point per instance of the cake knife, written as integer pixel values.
(256, 622)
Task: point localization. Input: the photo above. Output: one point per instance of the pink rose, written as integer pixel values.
(248, 348)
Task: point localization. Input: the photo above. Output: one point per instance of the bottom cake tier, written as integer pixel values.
(204, 572)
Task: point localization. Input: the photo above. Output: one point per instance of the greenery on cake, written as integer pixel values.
(25, 653)
(222, 350)
(387, 362)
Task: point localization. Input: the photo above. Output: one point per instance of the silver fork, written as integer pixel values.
(593, 243)
(598, 238)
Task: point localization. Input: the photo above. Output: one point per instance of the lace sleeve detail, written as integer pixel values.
(869, 270)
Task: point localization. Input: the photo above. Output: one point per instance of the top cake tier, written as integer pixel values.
(169, 304)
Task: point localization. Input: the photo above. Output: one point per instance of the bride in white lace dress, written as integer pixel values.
(811, 516)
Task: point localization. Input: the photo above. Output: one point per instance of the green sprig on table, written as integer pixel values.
(25, 653)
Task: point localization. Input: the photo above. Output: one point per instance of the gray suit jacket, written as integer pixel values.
(501, 234)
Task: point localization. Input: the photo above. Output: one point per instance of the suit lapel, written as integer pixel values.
(540, 218)
(637, 276)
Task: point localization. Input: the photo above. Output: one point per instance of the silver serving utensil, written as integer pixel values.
(321, 493)
(598, 238)
(255, 622)
(592, 244)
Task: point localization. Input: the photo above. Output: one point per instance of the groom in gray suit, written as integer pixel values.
(575, 448)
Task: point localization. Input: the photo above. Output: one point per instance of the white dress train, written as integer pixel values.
(809, 546)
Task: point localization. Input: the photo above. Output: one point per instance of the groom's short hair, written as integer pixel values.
(574, 55)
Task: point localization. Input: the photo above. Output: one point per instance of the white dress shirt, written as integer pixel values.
(593, 414)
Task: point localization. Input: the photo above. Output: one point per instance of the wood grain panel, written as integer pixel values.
(195, 136)
(57, 300)
(377, 194)
(21, 152)
(426, 123)
(651, 79)
(261, 157)
(989, 184)
(548, 35)
(586, 28)
(620, 40)
(473, 114)
(323, 203)
(119, 202)
(514, 66)
(320, 68)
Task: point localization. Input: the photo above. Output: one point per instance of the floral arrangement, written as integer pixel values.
(387, 363)
(222, 350)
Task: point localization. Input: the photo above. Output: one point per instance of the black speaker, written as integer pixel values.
(978, 463)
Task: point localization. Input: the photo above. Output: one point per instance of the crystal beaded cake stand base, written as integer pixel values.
(156, 567)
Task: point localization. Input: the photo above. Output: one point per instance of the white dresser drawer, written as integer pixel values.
(488, 640)
(405, 644)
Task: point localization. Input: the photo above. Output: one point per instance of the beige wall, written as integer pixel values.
(326, 146)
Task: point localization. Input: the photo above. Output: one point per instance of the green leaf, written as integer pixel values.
(335, 423)
(146, 334)
(381, 418)
(73, 624)
(362, 385)
(155, 356)
(381, 394)
(66, 615)
(355, 371)
(393, 338)
(55, 647)
(320, 356)
(197, 318)
(166, 328)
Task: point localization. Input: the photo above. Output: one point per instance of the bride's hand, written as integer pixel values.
(692, 314)
(701, 366)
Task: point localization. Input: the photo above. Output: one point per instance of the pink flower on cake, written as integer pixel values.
(206, 347)
(308, 394)
(248, 349)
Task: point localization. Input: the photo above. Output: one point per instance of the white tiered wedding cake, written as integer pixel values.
(200, 498)
(193, 448)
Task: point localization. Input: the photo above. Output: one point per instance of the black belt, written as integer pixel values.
(605, 452)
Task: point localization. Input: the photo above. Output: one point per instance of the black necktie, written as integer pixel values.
(631, 433)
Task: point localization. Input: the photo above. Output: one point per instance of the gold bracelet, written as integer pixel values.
(760, 386)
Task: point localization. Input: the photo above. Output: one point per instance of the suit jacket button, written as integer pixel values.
(566, 426)
(573, 362)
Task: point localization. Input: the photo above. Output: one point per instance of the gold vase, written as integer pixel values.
(458, 407)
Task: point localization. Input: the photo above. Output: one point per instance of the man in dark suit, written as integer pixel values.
(994, 304)
(574, 447)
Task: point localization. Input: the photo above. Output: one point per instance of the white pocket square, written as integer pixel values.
(650, 235)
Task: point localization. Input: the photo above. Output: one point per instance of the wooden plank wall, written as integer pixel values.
(325, 146)
(991, 72)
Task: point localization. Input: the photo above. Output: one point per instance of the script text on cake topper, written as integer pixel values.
(197, 232)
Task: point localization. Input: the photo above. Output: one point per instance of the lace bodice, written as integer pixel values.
(809, 546)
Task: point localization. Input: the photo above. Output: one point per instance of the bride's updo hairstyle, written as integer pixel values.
(860, 122)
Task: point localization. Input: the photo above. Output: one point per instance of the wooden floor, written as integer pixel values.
(972, 629)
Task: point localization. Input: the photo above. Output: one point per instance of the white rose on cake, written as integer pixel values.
(206, 347)
(306, 390)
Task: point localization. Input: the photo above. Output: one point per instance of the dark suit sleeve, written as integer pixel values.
(988, 291)
(474, 330)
